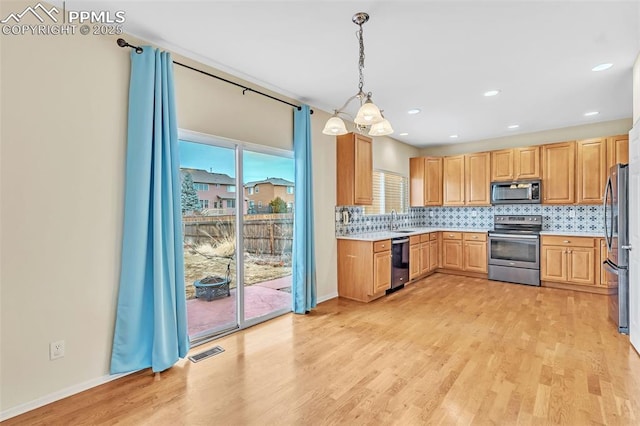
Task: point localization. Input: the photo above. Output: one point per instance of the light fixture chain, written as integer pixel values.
(361, 59)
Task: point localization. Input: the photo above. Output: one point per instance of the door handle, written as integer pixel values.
(627, 247)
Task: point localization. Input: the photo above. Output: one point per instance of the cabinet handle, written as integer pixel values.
(451, 235)
(566, 241)
(475, 237)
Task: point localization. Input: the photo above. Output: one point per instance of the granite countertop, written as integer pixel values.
(574, 233)
(385, 235)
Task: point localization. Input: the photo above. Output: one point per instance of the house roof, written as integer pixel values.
(203, 176)
(273, 181)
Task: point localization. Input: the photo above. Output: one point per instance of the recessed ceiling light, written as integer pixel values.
(404, 134)
(513, 126)
(413, 111)
(453, 136)
(591, 113)
(491, 92)
(601, 67)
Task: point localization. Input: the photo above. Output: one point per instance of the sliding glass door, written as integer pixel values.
(235, 199)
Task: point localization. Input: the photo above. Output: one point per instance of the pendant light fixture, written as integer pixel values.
(369, 116)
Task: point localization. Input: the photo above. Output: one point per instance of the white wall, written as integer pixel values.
(63, 143)
(636, 89)
(607, 128)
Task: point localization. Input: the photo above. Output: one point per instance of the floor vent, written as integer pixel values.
(206, 354)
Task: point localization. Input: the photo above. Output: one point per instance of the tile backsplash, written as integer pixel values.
(554, 218)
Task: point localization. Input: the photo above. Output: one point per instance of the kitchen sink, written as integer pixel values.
(404, 231)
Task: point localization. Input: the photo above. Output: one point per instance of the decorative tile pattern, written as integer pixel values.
(556, 218)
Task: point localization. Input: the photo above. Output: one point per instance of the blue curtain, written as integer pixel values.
(151, 321)
(304, 258)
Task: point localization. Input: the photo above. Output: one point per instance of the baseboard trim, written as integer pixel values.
(58, 395)
(327, 297)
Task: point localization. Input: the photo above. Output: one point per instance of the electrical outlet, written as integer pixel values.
(572, 213)
(430, 213)
(474, 213)
(56, 349)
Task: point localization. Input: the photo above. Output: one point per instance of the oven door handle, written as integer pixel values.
(514, 237)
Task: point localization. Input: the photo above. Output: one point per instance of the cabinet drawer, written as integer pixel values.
(451, 235)
(381, 246)
(475, 236)
(424, 238)
(433, 236)
(414, 239)
(558, 240)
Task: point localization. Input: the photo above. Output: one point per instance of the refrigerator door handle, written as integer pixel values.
(629, 247)
(607, 237)
(610, 267)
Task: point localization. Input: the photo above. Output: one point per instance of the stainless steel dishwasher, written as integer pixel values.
(399, 263)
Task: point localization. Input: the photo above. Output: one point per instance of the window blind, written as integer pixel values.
(390, 191)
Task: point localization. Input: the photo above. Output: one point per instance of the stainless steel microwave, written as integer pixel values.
(518, 192)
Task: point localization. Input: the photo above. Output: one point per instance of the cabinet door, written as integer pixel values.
(581, 268)
(502, 165)
(558, 172)
(617, 150)
(433, 255)
(354, 170)
(425, 258)
(363, 193)
(433, 184)
(475, 256)
(414, 261)
(526, 162)
(477, 176)
(602, 273)
(553, 263)
(417, 184)
(453, 181)
(381, 271)
(452, 254)
(591, 173)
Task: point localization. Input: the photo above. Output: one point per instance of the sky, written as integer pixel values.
(214, 159)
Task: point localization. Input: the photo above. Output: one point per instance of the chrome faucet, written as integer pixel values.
(394, 219)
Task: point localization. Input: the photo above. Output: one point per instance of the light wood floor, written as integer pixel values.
(447, 350)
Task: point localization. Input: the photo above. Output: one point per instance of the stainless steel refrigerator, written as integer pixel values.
(616, 225)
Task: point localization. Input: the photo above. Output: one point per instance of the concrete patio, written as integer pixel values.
(260, 299)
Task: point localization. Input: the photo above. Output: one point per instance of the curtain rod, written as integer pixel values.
(122, 43)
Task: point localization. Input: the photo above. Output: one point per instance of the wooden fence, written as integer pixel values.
(270, 234)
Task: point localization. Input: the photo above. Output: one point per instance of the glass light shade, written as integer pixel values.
(335, 126)
(382, 128)
(368, 114)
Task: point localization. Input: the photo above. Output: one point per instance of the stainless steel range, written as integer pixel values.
(514, 249)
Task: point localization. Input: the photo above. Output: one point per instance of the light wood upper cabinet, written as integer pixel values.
(466, 179)
(558, 173)
(477, 175)
(526, 162)
(425, 181)
(591, 170)
(354, 180)
(502, 165)
(617, 150)
(516, 163)
(453, 181)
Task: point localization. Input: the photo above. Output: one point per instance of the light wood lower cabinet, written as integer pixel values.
(421, 259)
(364, 269)
(475, 252)
(434, 251)
(464, 251)
(603, 256)
(569, 260)
(414, 261)
(452, 250)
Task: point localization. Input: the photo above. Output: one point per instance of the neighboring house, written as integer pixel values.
(261, 192)
(216, 192)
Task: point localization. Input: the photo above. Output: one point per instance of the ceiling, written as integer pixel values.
(437, 56)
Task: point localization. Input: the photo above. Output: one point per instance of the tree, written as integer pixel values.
(278, 205)
(189, 196)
